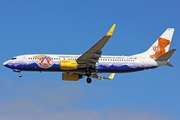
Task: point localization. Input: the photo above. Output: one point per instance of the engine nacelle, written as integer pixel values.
(68, 64)
(71, 76)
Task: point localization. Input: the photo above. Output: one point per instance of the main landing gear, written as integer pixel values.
(88, 73)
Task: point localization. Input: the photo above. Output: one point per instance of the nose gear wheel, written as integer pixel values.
(20, 75)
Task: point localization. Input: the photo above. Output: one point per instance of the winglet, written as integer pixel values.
(110, 32)
(111, 76)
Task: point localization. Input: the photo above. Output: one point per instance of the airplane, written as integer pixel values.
(92, 63)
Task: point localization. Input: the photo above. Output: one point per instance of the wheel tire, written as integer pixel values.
(20, 75)
(88, 80)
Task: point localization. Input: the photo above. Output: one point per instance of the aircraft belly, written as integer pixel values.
(33, 66)
(120, 67)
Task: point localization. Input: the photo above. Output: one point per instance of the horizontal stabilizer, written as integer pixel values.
(169, 64)
(166, 56)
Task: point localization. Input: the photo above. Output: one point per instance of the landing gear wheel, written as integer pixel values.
(20, 75)
(89, 80)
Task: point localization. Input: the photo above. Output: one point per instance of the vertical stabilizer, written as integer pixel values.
(160, 46)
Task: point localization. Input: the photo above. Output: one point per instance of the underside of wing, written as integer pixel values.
(111, 76)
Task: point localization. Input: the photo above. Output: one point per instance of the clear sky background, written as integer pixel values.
(72, 27)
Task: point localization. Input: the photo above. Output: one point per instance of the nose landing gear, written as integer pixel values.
(20, 75)
(18, 71)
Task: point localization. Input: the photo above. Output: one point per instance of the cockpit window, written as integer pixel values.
(13, 58)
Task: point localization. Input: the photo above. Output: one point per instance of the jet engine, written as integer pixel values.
(68, 64)
(71, 76)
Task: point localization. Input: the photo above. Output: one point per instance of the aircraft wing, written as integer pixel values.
(103, 78)
(91, 56)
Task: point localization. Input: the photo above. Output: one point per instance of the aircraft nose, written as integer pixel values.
(5, 63)
(8, 64)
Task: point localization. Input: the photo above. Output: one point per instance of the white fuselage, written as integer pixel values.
(108, 64)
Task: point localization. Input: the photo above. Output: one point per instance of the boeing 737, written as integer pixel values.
(92, 63)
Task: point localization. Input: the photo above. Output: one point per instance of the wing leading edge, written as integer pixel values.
(92, 55)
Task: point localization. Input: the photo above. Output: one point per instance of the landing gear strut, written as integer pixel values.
(88, 73)
(20, 75)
